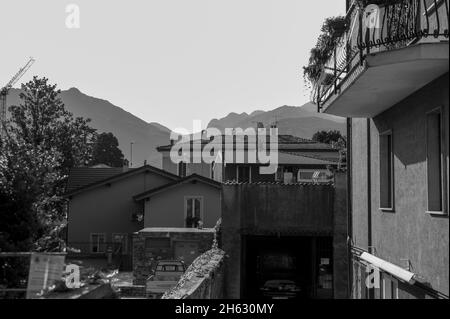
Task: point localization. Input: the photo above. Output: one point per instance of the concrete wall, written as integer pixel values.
(340, 233)
(409, 232)
(108, 209)
(166, 209)
(274, 208)
(281, 210)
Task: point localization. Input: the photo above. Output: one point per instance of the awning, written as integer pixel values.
(390, 268)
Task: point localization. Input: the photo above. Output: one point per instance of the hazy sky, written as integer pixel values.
(169, 61)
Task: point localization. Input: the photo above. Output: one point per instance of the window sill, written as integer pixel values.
(387, 210)
(436, 213)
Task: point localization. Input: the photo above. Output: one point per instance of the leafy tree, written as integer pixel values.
(106, 151)
(333, 137)
(41, 120)
(43, 142)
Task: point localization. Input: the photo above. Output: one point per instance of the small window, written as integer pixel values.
(386, 172)
(212, 169)
(193, 211)
(182, 169)
(435, 176)
(305, 175)
(97, 243)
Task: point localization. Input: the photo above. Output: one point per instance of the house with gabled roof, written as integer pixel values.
(102, 213)
(106, 206)
(182, 203)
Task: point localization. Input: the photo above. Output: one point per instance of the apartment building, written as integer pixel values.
(388, 74)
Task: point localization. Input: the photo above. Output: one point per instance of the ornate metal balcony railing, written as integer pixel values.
(396, 24)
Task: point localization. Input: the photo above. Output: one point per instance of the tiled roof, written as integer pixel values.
(82, 176)
(108, 177)
(176, 230)
(331, 158)
(187, 179)
(284, 142)
(280, 183)
(303, 159)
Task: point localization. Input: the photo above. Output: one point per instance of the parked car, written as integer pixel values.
(280, 289)
(167, 274)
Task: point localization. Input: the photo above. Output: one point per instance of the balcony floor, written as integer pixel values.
(387, 78)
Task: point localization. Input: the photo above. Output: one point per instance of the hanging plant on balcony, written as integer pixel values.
(365, 3)
(332, 29)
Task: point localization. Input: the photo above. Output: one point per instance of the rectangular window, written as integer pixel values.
(182, 169)
(213, 164)
(386, 171)
(193, 211)
(389, 287)
(435, 176)
(98, 243)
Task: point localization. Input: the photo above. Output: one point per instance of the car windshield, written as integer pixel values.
(278, 283)
(169, 268)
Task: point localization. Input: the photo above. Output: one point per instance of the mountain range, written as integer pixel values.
(107, 117)
(301, 121)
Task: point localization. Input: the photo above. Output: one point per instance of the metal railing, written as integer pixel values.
(398, 24)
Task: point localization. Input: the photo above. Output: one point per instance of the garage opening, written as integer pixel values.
(287, 267)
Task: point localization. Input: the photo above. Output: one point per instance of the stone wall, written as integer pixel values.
(145, 257)
(204, 279)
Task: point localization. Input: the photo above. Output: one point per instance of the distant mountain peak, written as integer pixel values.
(107, 117)
(301, 121)
(74, 90)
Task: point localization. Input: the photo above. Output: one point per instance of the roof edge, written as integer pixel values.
(120, 176)
(184, 180)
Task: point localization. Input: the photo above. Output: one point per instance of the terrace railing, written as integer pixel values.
(380, 26)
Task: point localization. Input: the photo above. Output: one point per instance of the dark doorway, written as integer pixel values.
(286, 267)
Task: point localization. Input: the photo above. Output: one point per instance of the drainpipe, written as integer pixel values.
(369, 191)
(349, 206)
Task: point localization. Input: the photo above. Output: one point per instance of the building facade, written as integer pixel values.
(298, 160)
(392, 85)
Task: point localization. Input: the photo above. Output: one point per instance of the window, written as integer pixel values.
(389, 287)
(193, 211)
(244, 174)
(305, 176)
(98, 243)
(435, 176)
(182, 169)
(212, 170)
(386, 172)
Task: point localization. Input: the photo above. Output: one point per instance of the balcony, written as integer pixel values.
(385, 55)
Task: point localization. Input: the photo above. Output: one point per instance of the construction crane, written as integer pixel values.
(5, 90)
